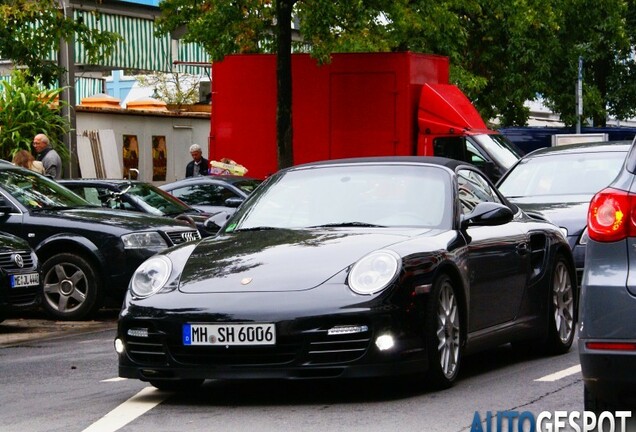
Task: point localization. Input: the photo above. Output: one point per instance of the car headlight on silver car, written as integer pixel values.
(144, 240)
(374, 272)
(151, 276)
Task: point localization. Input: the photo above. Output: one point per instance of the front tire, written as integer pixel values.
(72, 289)
(443, 333)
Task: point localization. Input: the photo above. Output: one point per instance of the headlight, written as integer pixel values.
(151, 276)
(144, 240)
(374, 272)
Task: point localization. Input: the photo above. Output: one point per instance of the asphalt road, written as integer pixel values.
(31, 325)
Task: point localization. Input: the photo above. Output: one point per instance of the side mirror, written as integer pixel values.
(487, 214)
(216, 221)
(233, 202)
(133, 170)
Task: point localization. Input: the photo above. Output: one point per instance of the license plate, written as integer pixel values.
(25, 280)
(229, 334)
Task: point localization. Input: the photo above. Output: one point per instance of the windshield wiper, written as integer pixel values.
(64, 207)
(348, 224)
(257, 228)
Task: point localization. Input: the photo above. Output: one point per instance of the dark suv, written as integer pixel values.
(86, 252)
(607, 332)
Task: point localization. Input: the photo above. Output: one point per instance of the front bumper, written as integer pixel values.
(304, 348)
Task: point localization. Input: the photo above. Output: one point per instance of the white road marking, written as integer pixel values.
(114, 379)
(128, 411)
(561, 374)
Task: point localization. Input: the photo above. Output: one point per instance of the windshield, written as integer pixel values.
(499, 148)
(354, 195)
(155, 200)
(562, 174)
(38, 192)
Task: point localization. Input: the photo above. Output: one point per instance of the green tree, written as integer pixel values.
(32, 29)
(173, 88)
(225, 27)
(602, 33)
(27, 109)
(502, 52)
(509, 48)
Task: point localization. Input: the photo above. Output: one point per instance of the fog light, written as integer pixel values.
(119, 346)
(385, 342)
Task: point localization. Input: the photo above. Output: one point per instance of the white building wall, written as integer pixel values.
(181, 130)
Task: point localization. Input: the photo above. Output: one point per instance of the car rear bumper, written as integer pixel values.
(609, 374)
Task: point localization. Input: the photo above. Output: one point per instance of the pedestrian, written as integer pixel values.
(198, 166)
(25, 159)
(48, 156)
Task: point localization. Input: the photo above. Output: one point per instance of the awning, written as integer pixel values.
(140, 48)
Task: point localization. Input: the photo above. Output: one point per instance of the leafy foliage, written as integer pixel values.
(173, 88)
(31, 31)
(27, 109)
(603, 35)
(503, 52)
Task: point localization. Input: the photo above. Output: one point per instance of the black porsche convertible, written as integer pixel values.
(352, 268)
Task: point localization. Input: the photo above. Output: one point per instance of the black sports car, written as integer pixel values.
(351, 268)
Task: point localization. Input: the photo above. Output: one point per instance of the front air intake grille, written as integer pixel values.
(146, 350)
(338, 349)
(10, 260)
(178, 237)
(280, 354)
(25, 296)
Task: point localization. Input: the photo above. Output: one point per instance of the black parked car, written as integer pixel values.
(85, 251)
(351, 268)
(19, 275)
(607, 333)
(210, 193)
(138, 196)
(557, 183)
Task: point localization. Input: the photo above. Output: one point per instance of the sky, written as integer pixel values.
(143, 2)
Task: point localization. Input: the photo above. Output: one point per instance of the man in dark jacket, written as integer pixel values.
(49, 157)
(198, 166)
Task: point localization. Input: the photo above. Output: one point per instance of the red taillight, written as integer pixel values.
(611, 346)
(610, 217)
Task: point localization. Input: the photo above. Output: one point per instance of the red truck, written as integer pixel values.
(360, 104)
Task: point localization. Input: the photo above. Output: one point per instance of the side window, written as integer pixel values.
(451, 147)
(90, 194)
(473, 189)
(475, 156)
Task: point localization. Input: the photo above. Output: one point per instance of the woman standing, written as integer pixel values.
(26, 160)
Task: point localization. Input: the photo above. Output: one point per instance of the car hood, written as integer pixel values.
(279, 260)
(567, 211)
(125, 220)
